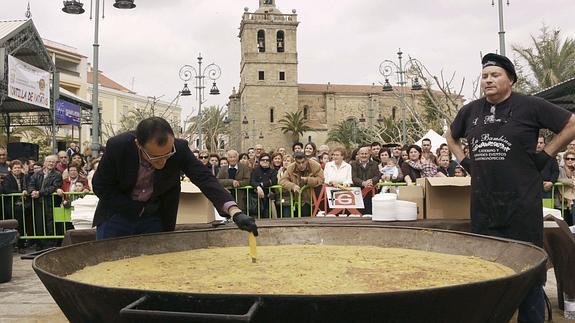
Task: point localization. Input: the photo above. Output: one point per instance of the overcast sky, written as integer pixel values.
(340, 42)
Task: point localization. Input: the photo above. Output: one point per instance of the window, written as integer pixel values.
(261, 41)
(305, 112)
(282, 76)
(271, 115)
(280, 41)
(261, 75)
(393, 110)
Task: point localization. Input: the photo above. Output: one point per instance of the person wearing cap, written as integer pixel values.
(138, 183)
(501, 129)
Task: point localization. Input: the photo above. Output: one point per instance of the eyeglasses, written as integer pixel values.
(156, 158)
(569, 158)
(203, 157)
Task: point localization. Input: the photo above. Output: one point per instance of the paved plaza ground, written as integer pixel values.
(25, 300)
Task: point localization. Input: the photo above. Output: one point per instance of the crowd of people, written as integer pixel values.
(304, 165)
(35, 183)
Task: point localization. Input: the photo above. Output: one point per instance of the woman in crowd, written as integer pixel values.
(94, 166)
(384, 156)
(244, 158)
(337, 172)
(214, 163)
(78, 159)
(283, 202)
(459, 172)
(15, 182)
(277, 161)
(204, 157)
(567, 178)
(411, 174)
(324, 159)
(310, 151)
(443, 166)
(251, 158)
(262, 177)
(404, 156)
(443, 150)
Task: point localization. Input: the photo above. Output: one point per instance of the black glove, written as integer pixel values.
(466, 163)
(540, 159)
(246, 223)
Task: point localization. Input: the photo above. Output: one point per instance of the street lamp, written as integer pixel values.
(501, 30)
(75, 7)
(409, 71)
(187, 72)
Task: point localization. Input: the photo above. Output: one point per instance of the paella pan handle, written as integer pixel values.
(141, 310)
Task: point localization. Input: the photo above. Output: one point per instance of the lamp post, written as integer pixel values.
(75, 7)
(187, 72)
(386, 69)
(501, 30)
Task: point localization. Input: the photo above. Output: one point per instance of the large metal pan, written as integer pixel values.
(485, 301)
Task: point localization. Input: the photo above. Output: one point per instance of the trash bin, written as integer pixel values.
(7, 239)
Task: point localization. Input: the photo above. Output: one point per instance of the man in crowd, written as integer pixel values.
(303, 172)
(72, 149)
(501, 129)
(365, 174)
(258, 150)
(235, 175)
(396, 153)
(375, 149)
(42, 185)
(4, 169)
(138, 183)
(550, 172)
(62, 163)
(426, 151)
(297, 147)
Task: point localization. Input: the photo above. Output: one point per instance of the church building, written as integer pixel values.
(269, 88)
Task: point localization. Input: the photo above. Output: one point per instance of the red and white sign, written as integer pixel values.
(344, 198)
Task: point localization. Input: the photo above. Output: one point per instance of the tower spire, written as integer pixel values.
(28, 13)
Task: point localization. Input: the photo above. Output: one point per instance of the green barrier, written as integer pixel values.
(248, 191)
(40, 218)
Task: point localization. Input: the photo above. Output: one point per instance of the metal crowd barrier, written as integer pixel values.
(40, 218)
(49, 219)
(278, 200)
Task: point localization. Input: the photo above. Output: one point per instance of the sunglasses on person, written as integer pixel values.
(569, 158)
(156, 158)
(203, 157)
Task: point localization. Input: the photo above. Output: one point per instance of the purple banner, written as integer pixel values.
(67, 113)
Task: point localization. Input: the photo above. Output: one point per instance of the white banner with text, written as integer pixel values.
(28, 83)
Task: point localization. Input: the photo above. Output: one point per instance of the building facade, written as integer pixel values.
(269, 87)
(120, 107)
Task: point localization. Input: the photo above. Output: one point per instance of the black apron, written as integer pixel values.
(506, 186)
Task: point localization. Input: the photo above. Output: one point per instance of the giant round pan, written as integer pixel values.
(484, 301)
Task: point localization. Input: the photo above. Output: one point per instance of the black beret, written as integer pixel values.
(492, 59)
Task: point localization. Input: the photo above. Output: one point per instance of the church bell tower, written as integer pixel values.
(268, 77)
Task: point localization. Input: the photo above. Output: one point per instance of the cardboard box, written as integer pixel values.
(446, 197)
(414, 194)
(194, 206)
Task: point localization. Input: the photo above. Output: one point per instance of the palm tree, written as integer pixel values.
(213, 126)
(294, 123)
(551, 61)
(347, 133)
